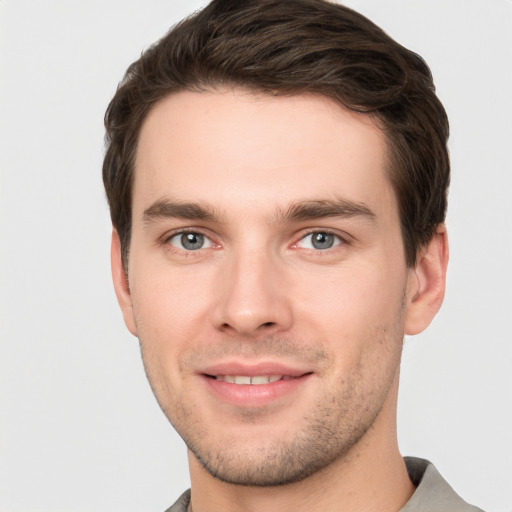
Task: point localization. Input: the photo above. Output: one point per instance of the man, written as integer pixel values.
(277, 175)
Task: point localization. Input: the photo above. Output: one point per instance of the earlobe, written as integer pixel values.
(121, 284)
(427, 283)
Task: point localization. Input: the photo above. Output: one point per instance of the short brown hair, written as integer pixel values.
(289, 47)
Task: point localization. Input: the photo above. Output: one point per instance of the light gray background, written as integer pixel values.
(79, 427)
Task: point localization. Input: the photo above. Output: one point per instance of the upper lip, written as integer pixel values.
(253, 369)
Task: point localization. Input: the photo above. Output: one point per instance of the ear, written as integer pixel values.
(121, 284)
(427, 283)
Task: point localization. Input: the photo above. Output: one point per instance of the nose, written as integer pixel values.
(253, 296)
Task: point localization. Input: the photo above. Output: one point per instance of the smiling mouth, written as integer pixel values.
(254, 388)
(256, 380)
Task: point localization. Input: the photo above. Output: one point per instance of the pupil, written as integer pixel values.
(323, 240)
(192, 241)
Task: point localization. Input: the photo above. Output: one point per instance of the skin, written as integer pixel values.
(259, 175)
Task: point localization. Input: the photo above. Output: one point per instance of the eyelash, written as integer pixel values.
(339, 240)
(167, 239)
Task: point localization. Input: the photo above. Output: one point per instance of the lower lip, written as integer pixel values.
(253, 395)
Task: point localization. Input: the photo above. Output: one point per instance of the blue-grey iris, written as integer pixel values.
(192, 241)
(322, 240)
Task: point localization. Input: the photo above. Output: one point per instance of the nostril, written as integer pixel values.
(227, 327)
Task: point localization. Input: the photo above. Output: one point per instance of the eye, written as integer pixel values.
(319, 240)
(190, 241)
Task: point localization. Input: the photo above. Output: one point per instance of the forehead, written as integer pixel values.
(236, 148)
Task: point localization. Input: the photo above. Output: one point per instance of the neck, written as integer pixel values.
(371, 476)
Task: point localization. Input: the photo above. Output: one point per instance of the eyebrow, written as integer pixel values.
(295, 212)
(166, 209)
(325, 208)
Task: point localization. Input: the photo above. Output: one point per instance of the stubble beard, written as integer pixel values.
(329, 435)
(332, 428)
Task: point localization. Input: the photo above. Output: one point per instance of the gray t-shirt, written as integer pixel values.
(433, 494)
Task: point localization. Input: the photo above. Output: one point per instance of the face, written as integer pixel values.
(267, 280)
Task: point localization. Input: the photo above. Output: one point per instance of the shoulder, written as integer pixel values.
(181, 503)
(432, 490)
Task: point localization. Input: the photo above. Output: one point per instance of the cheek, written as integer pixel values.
(352, 307)
(169, 308)
(169, 313)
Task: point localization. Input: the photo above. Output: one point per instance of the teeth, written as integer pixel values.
(244, 379)
(260, 380)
